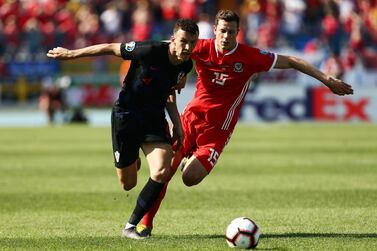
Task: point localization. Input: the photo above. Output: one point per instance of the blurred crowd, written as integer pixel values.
(29, 27)
(346, 30)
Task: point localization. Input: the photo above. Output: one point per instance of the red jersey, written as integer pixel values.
(223, 80)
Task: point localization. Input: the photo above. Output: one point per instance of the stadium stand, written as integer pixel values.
(338, 35)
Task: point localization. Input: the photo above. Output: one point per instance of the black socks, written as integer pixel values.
(145, 201)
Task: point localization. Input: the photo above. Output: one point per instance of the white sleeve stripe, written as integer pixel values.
(274, 63)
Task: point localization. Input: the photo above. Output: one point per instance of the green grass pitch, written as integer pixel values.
(308, 186)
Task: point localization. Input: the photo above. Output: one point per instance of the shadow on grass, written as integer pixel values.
(320, 235)
(92, 239)
(115, 242)
(274, 236)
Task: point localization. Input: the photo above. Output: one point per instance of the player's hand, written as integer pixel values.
(338, 87)
(181, 84)
(178, 136)
(58, 53)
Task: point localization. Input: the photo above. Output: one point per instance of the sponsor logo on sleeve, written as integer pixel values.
(130, 46)
(264, 52)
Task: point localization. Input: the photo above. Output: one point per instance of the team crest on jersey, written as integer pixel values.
(117, 155)
(238, 67)
(130, 46)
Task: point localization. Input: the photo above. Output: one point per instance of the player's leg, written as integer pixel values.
(158, 156)
(193, 172)
(128, 179)
(126, 146)
(189, 121)
(145, 229)
(126, 143)
(210, 143)
(128, 176)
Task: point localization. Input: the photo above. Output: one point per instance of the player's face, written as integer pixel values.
(183, 43)
(226, 35)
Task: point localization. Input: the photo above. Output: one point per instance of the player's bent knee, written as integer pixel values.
(127, 176)
(128, 186)
(161, 176)
(191, 180)
(193, 173)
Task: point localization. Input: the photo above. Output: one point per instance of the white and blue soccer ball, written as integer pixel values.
(243, 233)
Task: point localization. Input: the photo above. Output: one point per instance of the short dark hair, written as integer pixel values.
(186, 25)
(227, 15)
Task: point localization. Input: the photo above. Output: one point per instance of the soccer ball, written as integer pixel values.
(242, 232)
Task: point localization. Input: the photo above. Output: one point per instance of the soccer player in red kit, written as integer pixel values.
(225, 72)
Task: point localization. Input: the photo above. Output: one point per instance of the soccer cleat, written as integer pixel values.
(131, 233)
(144, 231)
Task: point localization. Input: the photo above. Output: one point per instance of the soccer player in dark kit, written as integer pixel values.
(138, 116)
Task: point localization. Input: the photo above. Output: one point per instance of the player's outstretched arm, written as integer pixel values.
(94, 50)
(337, 86)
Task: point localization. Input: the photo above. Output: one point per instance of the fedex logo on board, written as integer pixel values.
(353, 109)
(317, 103)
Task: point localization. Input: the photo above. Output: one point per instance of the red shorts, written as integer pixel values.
(202, 140)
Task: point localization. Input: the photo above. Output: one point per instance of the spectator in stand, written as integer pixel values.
(252, 16)
(111, 19)
(169, 13)
(189, 9)
(48, 32)
(2, 40)
(67, 27)
(368, 10)
(333, 66)
(88, 26)
(313, 15)
(346, 9)
(331, 29)
(292, 19)
(355, 37)
(269, 29)
(33, 36)
(8, 9)
(349, 59)
(11, 34)
(205, 26)
(141, 21)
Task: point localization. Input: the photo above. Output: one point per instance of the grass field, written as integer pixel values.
(309, 187)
